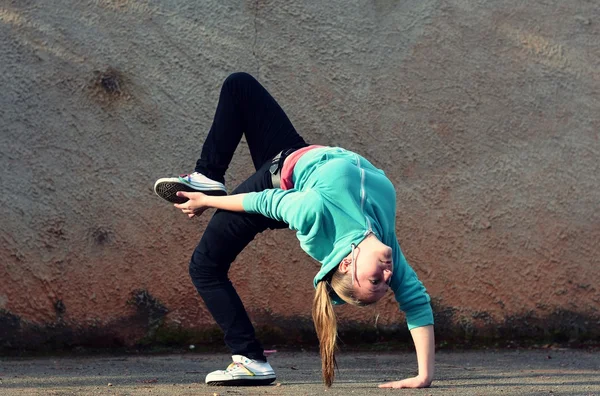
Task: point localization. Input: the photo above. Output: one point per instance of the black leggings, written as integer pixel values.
(245, 107)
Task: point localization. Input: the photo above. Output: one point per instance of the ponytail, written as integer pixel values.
(326, 327)
(325, 319)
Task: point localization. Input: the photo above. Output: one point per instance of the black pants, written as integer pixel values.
(245, 107)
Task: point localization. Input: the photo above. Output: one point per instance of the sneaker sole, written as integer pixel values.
(242, 382)
(167, 190)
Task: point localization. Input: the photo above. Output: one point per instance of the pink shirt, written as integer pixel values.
(287, 171)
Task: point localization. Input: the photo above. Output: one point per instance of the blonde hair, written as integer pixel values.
(325, 320)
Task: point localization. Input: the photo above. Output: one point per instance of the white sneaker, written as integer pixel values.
(242, 372)
(167, 187)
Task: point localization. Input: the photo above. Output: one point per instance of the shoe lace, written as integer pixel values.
(189, 176)
(234, 366)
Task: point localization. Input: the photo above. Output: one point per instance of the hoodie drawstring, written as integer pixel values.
(353, 246)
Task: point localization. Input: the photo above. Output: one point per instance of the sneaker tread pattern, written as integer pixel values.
(168, 191)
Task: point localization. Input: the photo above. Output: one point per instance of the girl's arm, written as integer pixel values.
(198, 202)
(301, 210)
(424, 340)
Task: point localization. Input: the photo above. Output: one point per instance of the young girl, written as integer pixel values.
(341, 207)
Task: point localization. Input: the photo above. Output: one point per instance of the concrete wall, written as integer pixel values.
(485, 115)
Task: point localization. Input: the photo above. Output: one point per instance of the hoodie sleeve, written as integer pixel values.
(410, 293)
(298, 209)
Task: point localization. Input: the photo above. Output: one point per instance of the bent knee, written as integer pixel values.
(205, 271)
(240, 77)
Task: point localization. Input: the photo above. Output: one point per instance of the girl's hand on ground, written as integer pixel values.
(195, 204)
(414, 382)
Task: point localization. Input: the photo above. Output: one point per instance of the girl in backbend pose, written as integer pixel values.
(342, 208)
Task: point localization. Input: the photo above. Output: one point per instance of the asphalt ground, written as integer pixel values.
(498, 372)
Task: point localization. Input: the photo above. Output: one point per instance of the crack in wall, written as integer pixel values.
(256, 7)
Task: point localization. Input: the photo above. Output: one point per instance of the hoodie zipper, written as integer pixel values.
(363, 194)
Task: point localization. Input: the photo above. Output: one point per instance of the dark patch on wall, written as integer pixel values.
(148, 309)
(59, 307)
(15, 334)
(109, 86)
(147, 329)
(101, 236)
(10, 327)
(561, 326)
(480, 329)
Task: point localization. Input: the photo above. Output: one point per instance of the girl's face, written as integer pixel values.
(371, 269)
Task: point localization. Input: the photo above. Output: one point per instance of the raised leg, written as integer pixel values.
(245, 107)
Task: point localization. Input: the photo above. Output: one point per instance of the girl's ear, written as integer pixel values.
(344, 266)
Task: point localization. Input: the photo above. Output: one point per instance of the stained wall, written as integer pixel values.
(483, 114)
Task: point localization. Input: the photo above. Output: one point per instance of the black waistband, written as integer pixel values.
(277, 165)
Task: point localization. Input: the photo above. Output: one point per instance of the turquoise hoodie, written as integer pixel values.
(338, 198)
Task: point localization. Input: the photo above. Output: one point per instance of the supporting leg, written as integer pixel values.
(226, 235)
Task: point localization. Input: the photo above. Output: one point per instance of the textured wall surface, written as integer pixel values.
(485, 115)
